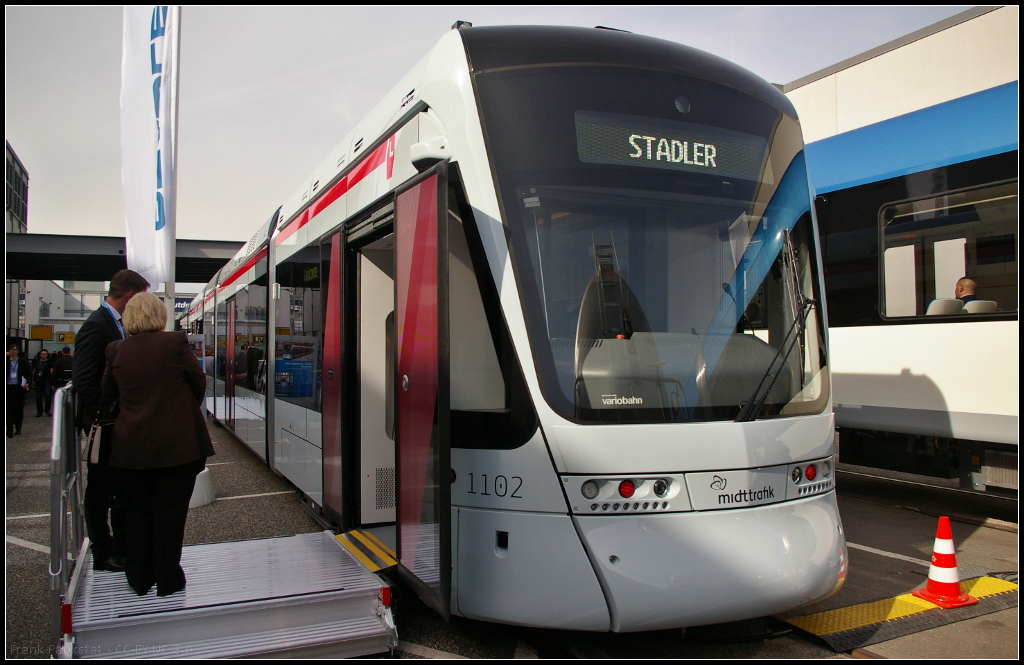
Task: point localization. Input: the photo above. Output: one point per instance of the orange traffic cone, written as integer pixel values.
(943, 587)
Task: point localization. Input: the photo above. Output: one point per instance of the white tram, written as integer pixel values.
(552, 314)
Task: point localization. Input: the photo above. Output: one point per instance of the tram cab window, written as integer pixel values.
(930, 244)
(665, 258)
(299, 329)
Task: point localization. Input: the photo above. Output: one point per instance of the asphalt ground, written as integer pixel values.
(890, 525)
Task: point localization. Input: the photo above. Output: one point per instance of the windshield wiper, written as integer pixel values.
(756, 402)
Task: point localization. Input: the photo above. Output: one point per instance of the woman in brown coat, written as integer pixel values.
(160, 440)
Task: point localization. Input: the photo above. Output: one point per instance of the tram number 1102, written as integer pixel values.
(500, 487)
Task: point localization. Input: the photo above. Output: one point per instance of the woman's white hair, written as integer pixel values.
(144, 313)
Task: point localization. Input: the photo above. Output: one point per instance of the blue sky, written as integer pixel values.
(266, 93)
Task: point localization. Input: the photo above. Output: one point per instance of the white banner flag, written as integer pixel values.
(148, 131)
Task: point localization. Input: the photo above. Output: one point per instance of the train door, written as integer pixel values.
(422, 418)
(228, 416)
(376, 336)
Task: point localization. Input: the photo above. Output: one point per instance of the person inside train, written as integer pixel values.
(160, 440)
(965, 289)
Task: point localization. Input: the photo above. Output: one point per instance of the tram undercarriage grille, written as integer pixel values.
(1001, 469)
(384, 498)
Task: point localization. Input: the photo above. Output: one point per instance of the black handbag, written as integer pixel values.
(101, 435)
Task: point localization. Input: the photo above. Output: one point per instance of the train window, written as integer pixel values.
(208, 344)
(251, 335)
(221, 334)
(660, 286)
(952, 254)
(490, 403)
(299, 329)
(476, 382)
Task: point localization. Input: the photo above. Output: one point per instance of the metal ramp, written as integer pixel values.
(297, 596)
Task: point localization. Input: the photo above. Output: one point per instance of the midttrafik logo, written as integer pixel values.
(744, 496)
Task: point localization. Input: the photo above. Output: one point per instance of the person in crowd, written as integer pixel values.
(102, 493)
(160, 440)
(19, 378)
(965, 289)
(62, 369)
(41, 369)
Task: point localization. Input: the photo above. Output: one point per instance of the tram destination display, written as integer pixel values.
(608, 138)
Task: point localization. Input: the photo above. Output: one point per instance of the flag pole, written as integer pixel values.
(170, 287)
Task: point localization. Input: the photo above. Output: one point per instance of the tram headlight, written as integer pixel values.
(811, 472)
(796, 475)
(589, 489)
(661, 487)
(626, 489)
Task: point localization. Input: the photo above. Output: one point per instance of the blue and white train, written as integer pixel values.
(916, 183)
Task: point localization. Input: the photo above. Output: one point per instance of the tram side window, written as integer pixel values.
(930, 244)
(251, 334)
(208, 340)
(298, 327)
(490, 403)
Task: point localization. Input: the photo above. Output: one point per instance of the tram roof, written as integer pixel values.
(506, 47)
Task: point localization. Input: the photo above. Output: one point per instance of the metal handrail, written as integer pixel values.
(68, 542)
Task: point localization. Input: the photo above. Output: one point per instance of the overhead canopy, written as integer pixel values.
(96, 258)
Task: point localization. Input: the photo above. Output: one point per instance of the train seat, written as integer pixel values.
(980, 307)
(941, 306)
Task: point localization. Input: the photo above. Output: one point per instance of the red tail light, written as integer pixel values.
(810, 472)
(626, 488)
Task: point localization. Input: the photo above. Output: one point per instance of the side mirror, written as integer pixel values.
(427, 153)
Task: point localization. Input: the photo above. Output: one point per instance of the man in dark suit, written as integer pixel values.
(19, 377)
(103, 492)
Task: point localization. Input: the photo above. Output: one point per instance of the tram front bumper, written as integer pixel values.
(699, 568)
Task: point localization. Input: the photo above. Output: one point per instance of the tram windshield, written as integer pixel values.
(662, 239)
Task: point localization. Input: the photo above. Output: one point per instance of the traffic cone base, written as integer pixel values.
(946, 602)
(943, 588)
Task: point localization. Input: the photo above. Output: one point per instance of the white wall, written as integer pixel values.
(961, 60)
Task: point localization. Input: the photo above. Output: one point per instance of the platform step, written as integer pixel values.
(336, 639)
(245, 598)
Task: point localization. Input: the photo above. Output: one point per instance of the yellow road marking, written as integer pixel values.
(856, 616)
(351, 547)
(388, 561)
(381, 544)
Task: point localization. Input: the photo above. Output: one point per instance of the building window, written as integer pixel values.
(929, 244)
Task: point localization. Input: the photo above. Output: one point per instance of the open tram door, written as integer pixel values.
(421, 388)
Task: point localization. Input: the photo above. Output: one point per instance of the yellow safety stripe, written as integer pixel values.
(856, 616)
(986, 586)
(380, 544)
(351, 547)
(388, 561)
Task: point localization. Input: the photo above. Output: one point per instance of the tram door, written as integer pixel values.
(229, 368)
(421, 388)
